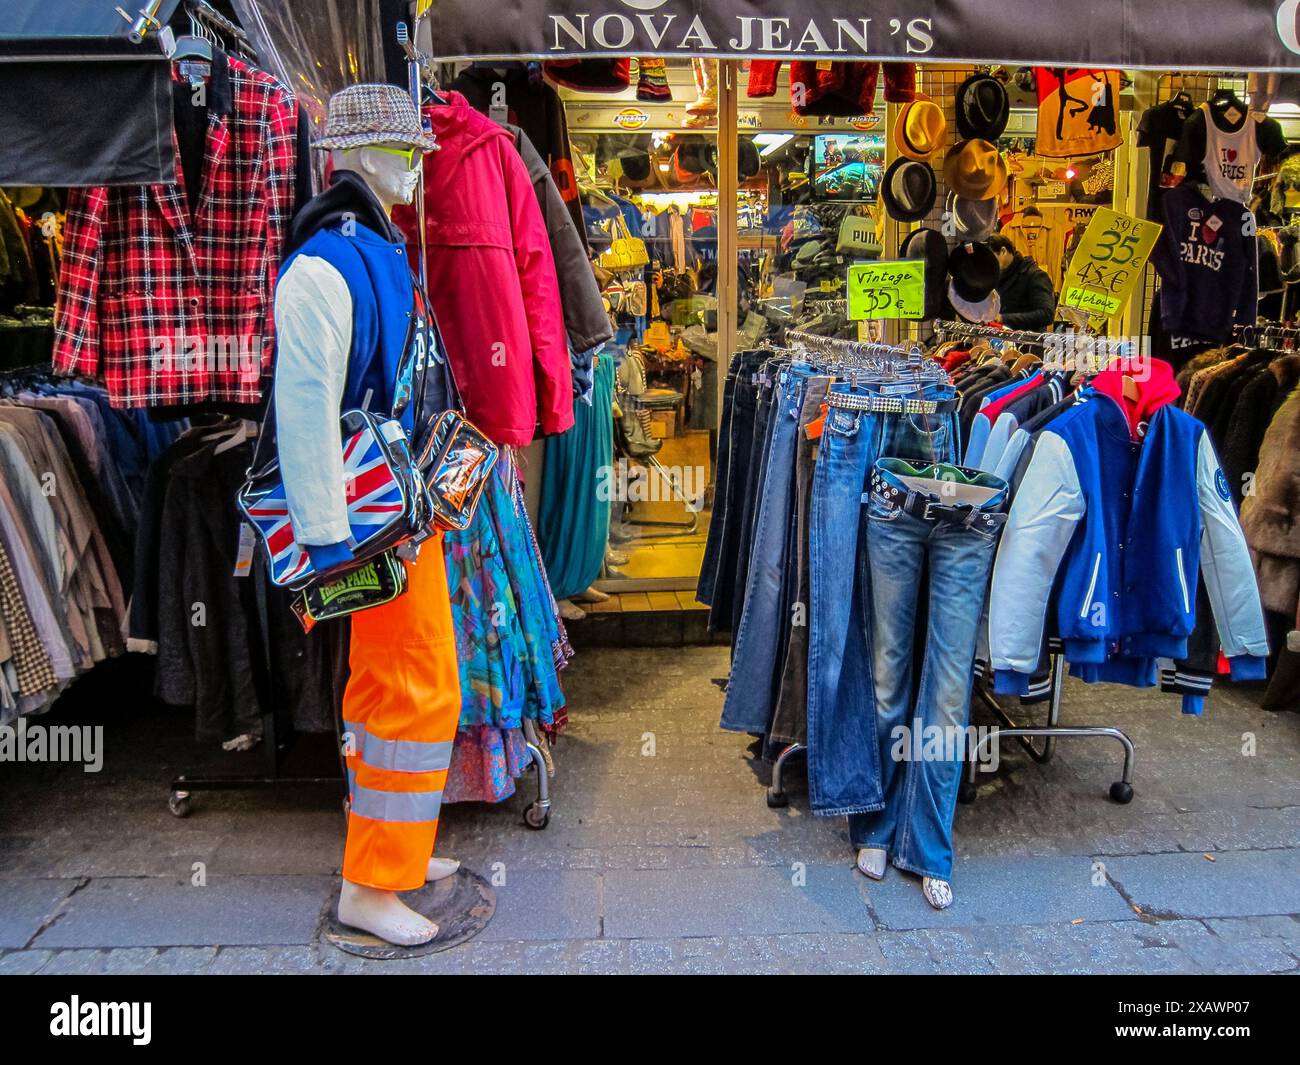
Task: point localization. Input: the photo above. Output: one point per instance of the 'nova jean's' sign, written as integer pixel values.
(1123, 34)
(667, 32)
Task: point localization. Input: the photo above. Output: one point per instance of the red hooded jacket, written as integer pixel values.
(492, 279)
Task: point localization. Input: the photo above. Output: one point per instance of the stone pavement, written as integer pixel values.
(662, 855)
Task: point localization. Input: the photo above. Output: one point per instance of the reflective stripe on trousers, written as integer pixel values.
(400, 711)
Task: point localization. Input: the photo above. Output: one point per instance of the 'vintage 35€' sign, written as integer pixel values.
(1107, 265)
(890, 289)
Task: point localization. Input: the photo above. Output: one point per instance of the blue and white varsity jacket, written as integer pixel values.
(1108, 533)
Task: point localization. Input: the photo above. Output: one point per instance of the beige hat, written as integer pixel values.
(974, 169)
(373, 114)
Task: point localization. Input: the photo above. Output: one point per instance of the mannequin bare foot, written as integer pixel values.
(441, 868)
(383, 914)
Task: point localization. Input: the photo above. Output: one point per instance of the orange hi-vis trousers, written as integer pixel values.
(400, 713)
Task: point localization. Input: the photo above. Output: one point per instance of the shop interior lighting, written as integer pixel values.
(770, 142)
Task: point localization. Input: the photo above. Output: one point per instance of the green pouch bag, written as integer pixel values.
(376, 581)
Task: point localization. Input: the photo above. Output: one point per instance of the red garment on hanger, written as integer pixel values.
(492, 278)
(840, 89)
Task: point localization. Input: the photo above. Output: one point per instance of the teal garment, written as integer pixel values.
(504, 618)
(573, 522)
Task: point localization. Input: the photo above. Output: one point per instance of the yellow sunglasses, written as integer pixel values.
(411, 155)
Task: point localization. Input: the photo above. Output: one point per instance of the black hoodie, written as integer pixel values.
(347, 195)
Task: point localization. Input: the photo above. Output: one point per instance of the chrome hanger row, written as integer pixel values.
(1061, 351)
(1269, 336)
(854, 349)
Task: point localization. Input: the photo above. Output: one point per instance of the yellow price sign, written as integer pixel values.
(891, 289)
(1108, 263)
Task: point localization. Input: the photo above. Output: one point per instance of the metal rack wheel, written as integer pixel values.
(537, 815)
(180, 803)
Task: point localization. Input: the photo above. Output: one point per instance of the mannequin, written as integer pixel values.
(346, 313)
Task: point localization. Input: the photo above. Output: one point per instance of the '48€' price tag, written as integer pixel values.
(889, 289)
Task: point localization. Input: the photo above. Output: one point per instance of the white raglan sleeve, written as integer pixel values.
(313, 326)
(1047, 507)
(1229, 576)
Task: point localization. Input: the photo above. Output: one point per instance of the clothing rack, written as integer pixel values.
(1121, 791)
(1061, 351)
(888, 358)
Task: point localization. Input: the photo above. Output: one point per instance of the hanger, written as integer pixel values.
(1226, 100)
(194, 45)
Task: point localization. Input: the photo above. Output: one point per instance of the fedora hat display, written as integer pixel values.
(930, 245)
(908, 190)
(982, 108)
(975, 170)
(971, 219)
(921, 129)
(974, 272)
(373, 114)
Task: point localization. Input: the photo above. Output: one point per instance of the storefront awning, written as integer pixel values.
(1215, 35)
(80, 102)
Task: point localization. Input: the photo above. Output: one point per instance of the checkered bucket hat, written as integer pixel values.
(373, 114)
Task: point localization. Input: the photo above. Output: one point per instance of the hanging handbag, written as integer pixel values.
(625, 251)
(392, 495)
(460, 460)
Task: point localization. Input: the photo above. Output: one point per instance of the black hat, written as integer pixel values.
(971, 219)
(636, 166)
(908, 190)
(930, 245)
(982, 108)
(975, 271)
(748, 162)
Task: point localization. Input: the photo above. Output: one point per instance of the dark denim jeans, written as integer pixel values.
(921, 746)
(756, 478)
(790, 719)
(844, 773)
(735, 432)
(729, 594)
(755, 663)
(744, 410)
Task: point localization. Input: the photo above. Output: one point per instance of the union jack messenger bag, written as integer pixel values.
(394, 497)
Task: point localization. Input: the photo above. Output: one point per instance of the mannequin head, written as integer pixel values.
(388, 175)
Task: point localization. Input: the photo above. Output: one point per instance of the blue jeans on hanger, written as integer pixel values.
(751, 691)
(921, 746)
(844, 773)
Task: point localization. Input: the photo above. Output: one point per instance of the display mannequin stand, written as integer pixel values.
(460, 905)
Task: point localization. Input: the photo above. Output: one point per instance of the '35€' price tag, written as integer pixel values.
(888, 289)
(1108, 263)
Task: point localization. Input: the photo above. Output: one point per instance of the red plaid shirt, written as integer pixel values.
(171, 308)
